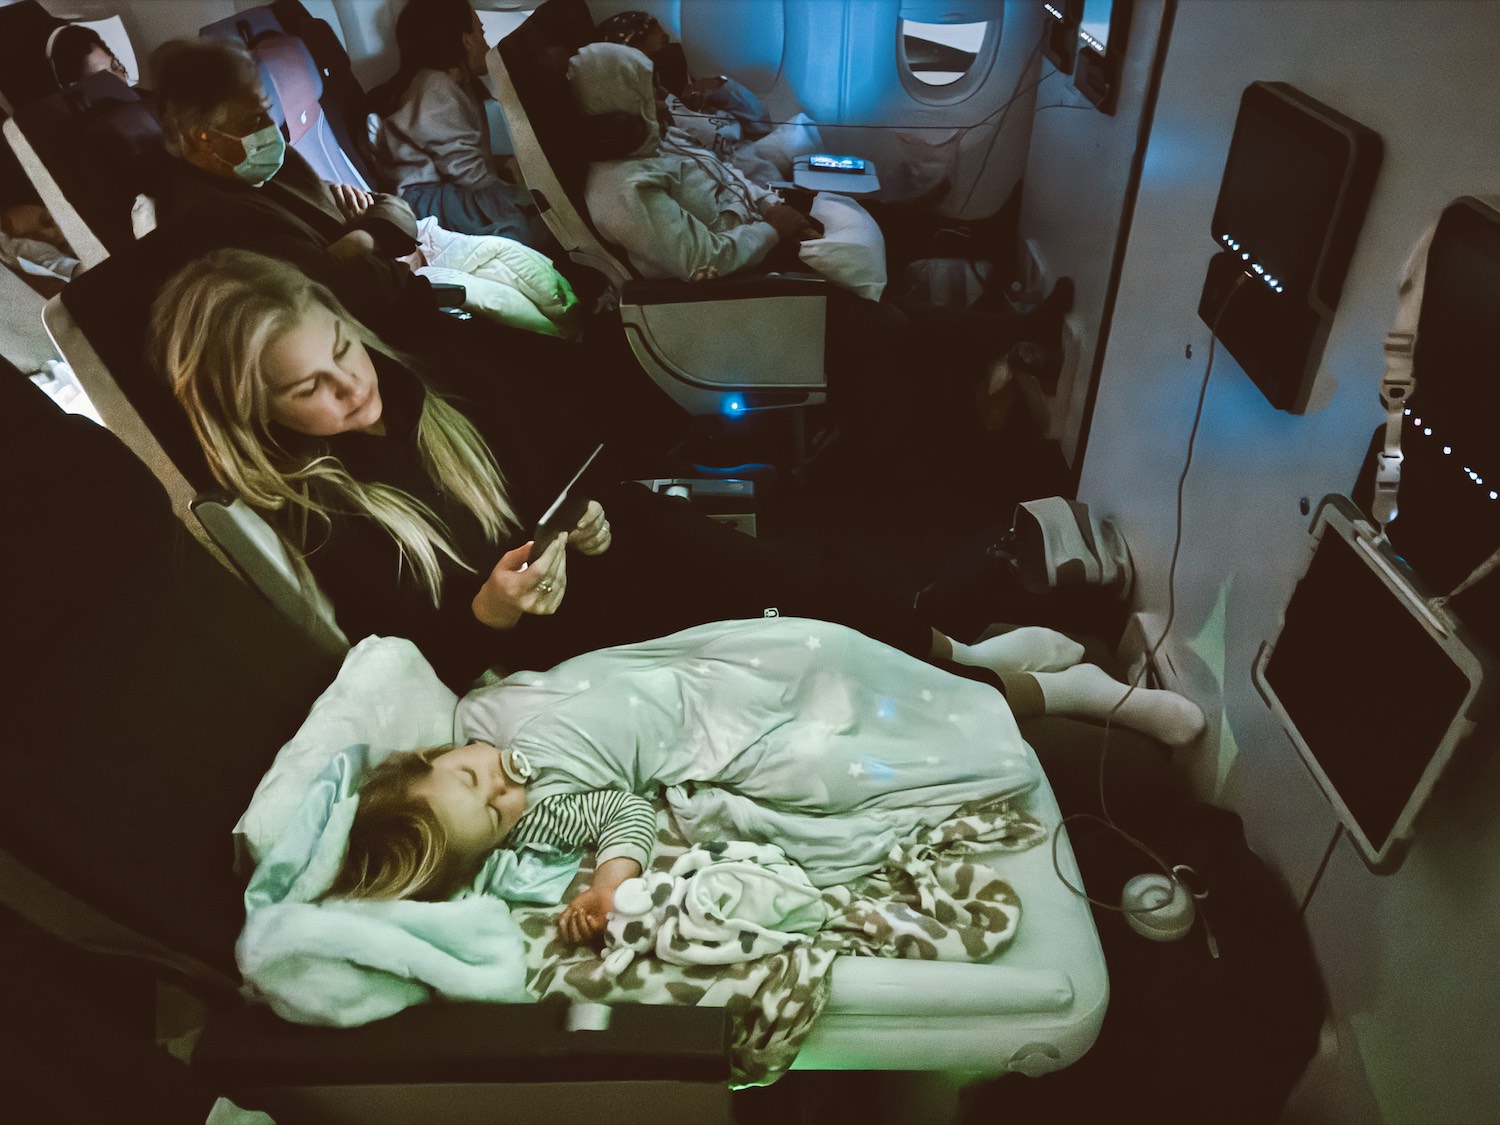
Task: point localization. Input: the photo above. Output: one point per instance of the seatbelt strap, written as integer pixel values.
(1399, 380)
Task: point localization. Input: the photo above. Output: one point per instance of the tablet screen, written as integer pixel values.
(1371, 693)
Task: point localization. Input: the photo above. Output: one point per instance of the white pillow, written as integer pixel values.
(851, 252)
(386, 697)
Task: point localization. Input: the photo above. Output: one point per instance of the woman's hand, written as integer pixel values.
(592, 536)
(511, 592)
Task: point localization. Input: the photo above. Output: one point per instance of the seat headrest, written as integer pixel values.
(244, 27)
(292, 78)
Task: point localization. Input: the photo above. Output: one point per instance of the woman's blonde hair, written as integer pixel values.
(210, 328)
(397, 845)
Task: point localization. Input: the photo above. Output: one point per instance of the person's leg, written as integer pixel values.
(1087, 691)
(1031, 648)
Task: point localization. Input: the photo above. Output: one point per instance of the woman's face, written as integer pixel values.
(475, 47)
(320, 380)
(102, 58)
(474, 801)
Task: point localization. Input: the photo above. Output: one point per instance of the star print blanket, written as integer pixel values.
(798, 733)
(853, 759)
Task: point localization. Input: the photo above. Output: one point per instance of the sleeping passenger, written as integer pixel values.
(677, 210)
(434, 139)
(414, 513)
(798, 733)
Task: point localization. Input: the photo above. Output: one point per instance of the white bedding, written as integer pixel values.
(1038, 1007)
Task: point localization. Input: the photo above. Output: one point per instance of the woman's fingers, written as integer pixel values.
(592, 536)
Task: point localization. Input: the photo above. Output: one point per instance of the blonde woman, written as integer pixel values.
(413, 513)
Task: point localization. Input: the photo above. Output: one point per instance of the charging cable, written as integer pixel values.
(1161, 905)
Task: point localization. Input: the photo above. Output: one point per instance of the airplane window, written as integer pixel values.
(939, 54)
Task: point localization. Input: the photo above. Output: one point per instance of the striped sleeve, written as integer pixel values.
(613, 822)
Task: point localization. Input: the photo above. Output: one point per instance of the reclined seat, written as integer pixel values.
(97, 325)
(88, 150)
(310, 82)
(25, 73)
(116, 837)
(733, 345)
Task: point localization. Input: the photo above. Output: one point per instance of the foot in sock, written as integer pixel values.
(1030, 648)
(1089, 692)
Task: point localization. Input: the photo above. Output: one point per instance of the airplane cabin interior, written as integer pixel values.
(750, 560)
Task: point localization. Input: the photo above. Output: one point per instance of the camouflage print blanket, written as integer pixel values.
(934, 899)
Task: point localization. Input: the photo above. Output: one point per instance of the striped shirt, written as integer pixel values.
(612, 821)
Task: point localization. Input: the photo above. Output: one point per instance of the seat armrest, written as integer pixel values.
(475, 1064)
(741, 287)
(251, 1047)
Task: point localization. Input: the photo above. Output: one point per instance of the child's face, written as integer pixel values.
(475, 802)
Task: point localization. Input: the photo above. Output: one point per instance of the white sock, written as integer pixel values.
(1089, 692)
(1030, 648)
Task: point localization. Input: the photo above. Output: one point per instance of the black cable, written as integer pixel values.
(1338, 830)
(1150, 657)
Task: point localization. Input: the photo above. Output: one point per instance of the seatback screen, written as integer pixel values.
(1371, 693)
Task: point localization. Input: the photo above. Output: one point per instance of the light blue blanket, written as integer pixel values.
(346, 963)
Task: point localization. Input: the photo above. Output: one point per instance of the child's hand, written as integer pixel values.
(583, 919)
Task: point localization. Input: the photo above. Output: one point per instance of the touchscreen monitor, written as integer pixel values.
(1375, 687)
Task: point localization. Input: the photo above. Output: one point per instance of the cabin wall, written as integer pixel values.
(837, 61)
(1072, 205)
(1407, 956)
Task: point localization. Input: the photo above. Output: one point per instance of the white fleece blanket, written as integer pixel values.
(502, 279)
(717, 904)
(344, 964)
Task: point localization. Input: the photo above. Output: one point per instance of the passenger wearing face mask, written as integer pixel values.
(229, 172)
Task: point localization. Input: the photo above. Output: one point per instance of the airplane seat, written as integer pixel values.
(690, 337)
(116, 837)
(89, 150)
(98, 328)
(25, 71)
(339, 127)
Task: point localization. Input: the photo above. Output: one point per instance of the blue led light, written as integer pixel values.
(734, 404)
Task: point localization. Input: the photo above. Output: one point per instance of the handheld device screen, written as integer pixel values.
(825, 162)
(564, 513)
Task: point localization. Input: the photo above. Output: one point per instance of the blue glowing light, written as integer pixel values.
(734, 404)
(878, 771)
(886, 708)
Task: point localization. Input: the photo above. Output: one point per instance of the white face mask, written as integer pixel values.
(265, 149)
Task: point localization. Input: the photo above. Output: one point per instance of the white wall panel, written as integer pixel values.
(1407, 956)
(1076, 177)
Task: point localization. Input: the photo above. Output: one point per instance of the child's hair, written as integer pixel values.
(211, 327)
(397, 846)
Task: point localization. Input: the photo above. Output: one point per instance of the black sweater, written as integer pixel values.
(667, 568)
